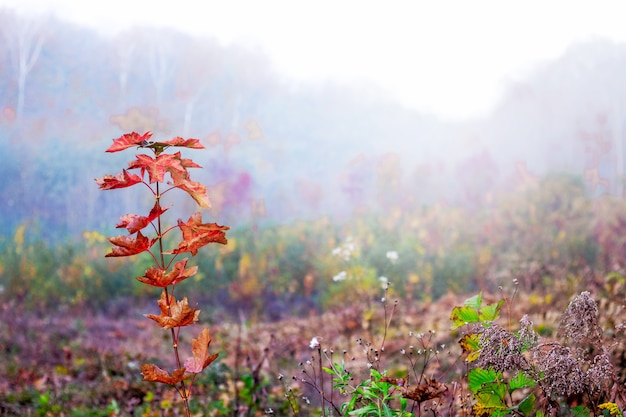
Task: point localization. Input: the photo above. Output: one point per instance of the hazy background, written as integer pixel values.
(306, 108)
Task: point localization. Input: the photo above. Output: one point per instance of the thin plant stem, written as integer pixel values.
(319, 357)
(183, 388)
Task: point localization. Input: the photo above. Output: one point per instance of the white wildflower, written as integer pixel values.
(340, 276)
(392, 255)
(384, 282)
(315, 343)
(345, 250)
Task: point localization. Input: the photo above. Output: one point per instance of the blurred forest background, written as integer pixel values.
(299, 168)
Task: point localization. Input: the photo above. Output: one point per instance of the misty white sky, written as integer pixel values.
(451, 58)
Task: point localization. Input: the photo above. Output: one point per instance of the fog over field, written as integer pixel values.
(325, 111)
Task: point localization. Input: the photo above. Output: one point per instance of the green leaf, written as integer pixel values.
(364, 410)
(491, 312)
(527, 405)
(463, 315)
(479, 377)
(328, 370)
(403, 403)
(488, 391)
(491, 398)
(113, 407)
(580, 411)
(474, 302)
(347, 406)
(501, 412)
(521, 380)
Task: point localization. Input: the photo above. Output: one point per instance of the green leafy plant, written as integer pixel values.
(492, 391)
(473, 311)
(377, 394)
(516, 373)
(368, 388)
(167, 272)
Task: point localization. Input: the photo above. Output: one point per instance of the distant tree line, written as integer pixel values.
(277, 150)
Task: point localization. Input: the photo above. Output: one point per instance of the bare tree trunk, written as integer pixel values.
(161, 65)
(25, 38)
(188, 114)
(125, 54)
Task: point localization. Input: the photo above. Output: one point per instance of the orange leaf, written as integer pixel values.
(196, 190)
(187, 143)
(122, 180)
(178, 170)
(201, 356)
(129, 140)
(158, 278)
(186, 163)
(128, 245)
(152, 372)
(133, 222)
(197, 234)
(179, 314)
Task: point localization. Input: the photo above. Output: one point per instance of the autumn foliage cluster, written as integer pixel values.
(167, 272)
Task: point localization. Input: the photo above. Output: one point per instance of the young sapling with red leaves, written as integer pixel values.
(167, 271)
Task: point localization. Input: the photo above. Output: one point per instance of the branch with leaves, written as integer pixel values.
(167, 272)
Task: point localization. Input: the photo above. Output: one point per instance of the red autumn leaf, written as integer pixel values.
(134, 223)
(178, 169)
(122, 180)
(196, 190)
(129, 140)
(179, 314)
(200, 350)
(179, 176)
(189, 163)
(157, 167)
(158, 278)
(164, 163)
(128, 245)
(182, 175)
(152, 372)
(194, 227)
(197, 234)
(187, 143)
